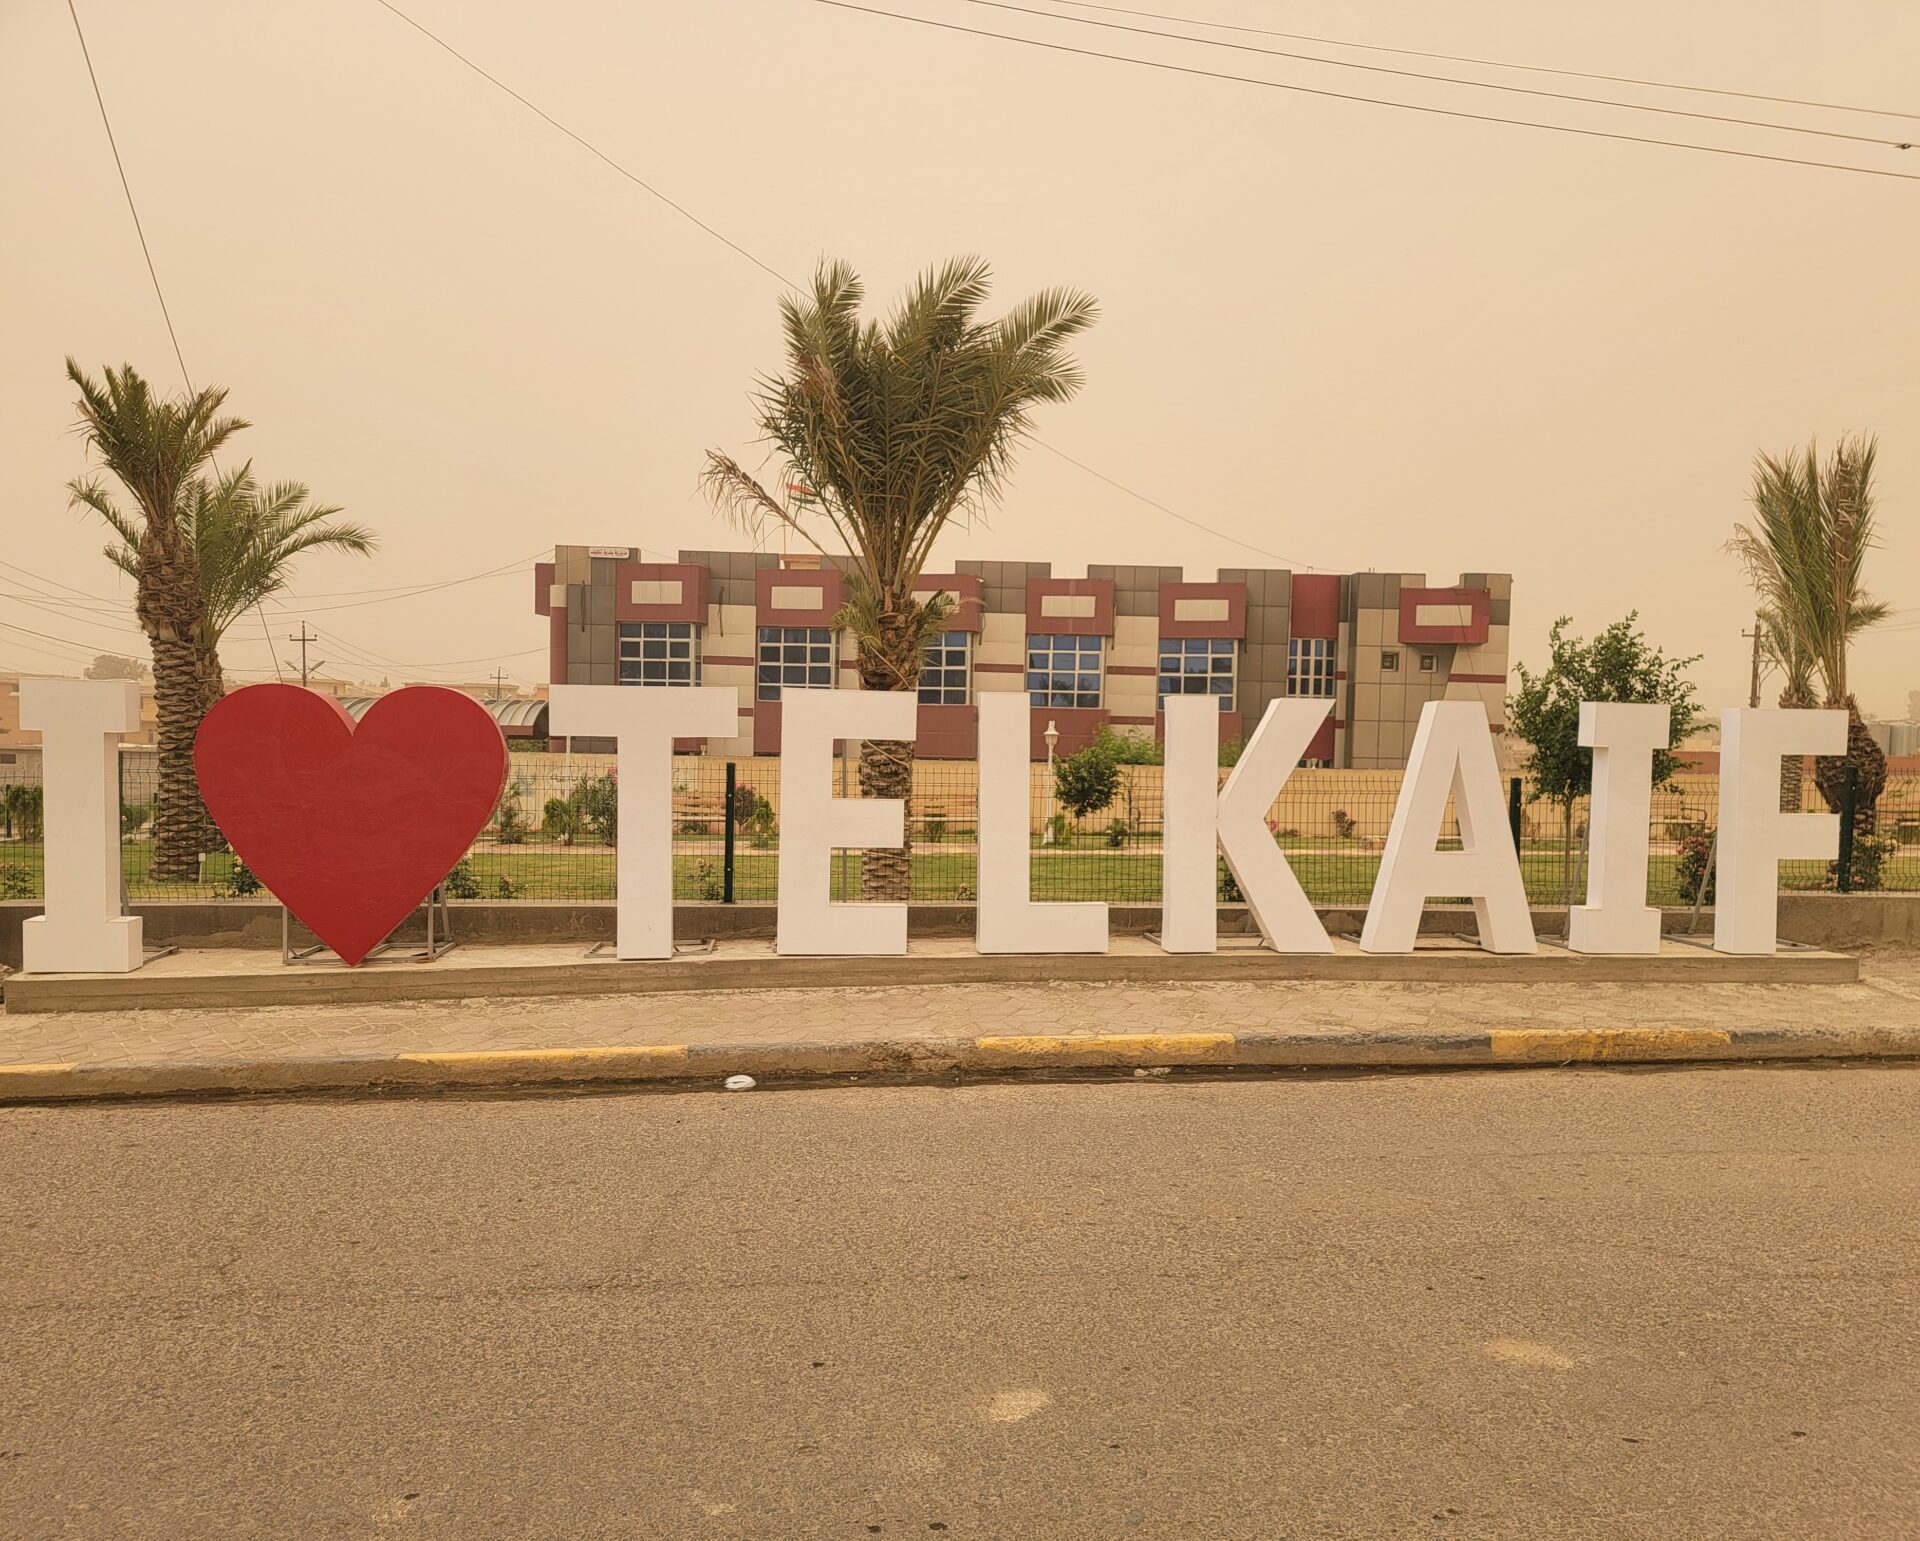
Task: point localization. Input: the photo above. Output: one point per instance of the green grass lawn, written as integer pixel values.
(1329, 873)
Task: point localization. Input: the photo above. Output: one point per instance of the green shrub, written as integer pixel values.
(1344, 823)
(1695, 859)
(693, 826)
(1229, 889)
(556, 820)
(1870, 852)
(505, 888)
(15, 882)
(1128, 748)
(132, 816)
(708, 883)
(461, 883)
(1117, 833)
(596, 808)
(241, 882)
(935, 828)
(1058, 831)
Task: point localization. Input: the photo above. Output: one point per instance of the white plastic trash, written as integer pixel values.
(739, 1083)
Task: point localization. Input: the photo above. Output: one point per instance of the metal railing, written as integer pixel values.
(553, 837)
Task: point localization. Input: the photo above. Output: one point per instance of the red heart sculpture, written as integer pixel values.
(350, 828)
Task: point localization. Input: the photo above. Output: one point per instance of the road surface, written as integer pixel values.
(1529, 1304)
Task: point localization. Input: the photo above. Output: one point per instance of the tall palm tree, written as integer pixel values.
(894, 430)
(244, 538)
(155, 446)
(1806, 554)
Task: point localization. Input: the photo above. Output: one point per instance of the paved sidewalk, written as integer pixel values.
(813, 1031)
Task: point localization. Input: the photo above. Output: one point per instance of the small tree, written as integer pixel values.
(1617, 665)
(111, 666)
(1086, 782)
(596, 807)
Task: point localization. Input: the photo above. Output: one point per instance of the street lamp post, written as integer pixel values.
(1052, 736)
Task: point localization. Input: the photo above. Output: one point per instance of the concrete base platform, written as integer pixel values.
(238, 978)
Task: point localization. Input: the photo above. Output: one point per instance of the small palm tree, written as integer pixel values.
(155, 446)
(893, 430)
(244, 538)
(1806, 555)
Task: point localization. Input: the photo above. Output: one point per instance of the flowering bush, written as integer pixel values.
(1696, 857)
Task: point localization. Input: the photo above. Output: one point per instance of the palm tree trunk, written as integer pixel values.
(1870, 765)
(180, 819)
(889, 662)
(211, 680)
(1793, 775)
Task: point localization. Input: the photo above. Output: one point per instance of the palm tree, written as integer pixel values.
(894, 430)
(155, 446)
(244, 538)
(1805, 554)
(1786, 654)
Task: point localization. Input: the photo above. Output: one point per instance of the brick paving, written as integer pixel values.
(1887, 995)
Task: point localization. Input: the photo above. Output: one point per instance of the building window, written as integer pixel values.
(1310, 666)
(1429, 662)
(659, 653)
(1389, 661)
(1063, 671)
(944, 670)
(794, 658)
(1197, 666)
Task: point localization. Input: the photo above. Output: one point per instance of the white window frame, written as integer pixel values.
(1073, 650)
(650, 650)
(787, 650)
(1178, 677)
(946, 670)
(1310, 668)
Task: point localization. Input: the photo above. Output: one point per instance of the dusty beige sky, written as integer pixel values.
(1354, 336)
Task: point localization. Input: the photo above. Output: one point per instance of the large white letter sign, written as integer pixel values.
(1616, 917)
(643, 722)
(1451, 748)
(813, 821)
(1280, 906)
(1007, 919)
(83, 929)
(1190, 780)
(1755, 836)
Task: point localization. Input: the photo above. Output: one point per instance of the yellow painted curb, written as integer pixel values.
(1555, 1045)
(1124, 1048)
(34, 1072)
(547, 1059)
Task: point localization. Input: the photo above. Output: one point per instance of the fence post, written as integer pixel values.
(1513, 811)
(1849, 795)
(726, 874)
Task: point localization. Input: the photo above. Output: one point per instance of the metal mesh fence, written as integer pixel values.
(554, 834)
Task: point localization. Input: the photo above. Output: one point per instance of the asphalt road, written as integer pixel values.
(1533, 1304)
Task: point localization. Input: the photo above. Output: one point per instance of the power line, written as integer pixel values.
(765, 268)
(1492, 64)
(678, 208)
(1454, 80)
(126, 187)
(1372, 101)
(1172, 514)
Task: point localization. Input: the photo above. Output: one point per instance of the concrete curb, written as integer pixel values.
(709, 1063)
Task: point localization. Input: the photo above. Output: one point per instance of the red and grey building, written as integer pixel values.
(1104, 649)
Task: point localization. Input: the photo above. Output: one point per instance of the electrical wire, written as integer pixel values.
(1492, 64)
(1232, 540)
(1454, 80)
(1372, 101)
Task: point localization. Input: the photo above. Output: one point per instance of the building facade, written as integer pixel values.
(1106, 649)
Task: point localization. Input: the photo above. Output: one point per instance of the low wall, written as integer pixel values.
(1841, 922)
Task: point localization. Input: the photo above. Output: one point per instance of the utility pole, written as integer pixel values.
(303, 639)
(1753, 690)
(499, 684)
